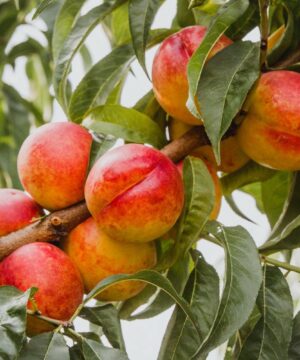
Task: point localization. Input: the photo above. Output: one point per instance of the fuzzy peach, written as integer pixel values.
(16, 210)
(169, 71)
(134, 193)
(53, 163)
(270, 132)
(232, 156)
(44, 266)
(97, 256)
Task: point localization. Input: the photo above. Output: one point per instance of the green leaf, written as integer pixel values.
(285, 233)
(47, 346)
(116, 26)
(245, 23)
(151, 277)
(76, 353)
(13, 305)
(98, 83)
(274, 194)
(202, 293)
(93, 350)
(271, 336)
(42, 6)
(184, 15)
(225, 82)
(249, 173)
(80, 30)
(226, 16)
(294, 348)
(141, 16)
(199, 202)
(106, 316)
(63, 24)
(101, 143)
(242, 283)
(177, 274)
(125, 123)
(230, 201)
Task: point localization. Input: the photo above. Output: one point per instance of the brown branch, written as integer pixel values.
(58, 224)
(52, 228)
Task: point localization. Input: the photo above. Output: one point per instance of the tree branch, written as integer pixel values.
(59, 223)
(264, 32)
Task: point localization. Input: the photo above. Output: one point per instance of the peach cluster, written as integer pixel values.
(134, 193)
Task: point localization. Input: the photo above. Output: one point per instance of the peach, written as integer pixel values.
(53, 164)
(97, 256)
(16, 210)
(169, 71)
(232, 156)
(217, 187)
(270, 132)
(134, 193)
(44, 266)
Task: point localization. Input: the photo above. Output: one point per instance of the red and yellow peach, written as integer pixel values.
(169, 71)
(134, 193)
(53, 163)
(97, 256)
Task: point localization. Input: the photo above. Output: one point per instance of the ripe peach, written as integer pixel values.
(169, 70)
(270, 132)
(232, 156)
(16, 210)
(47, 268)
(97, 256)
(135, 193)
(217, 186)
(53, 163)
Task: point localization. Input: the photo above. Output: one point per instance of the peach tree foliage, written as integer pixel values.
(253, 311)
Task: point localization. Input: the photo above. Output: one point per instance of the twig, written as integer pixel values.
(283, 265)
(264, 32)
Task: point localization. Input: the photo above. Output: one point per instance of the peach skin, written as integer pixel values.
(97, 256)
(44, 266)
(53, 163)
(134, 193)
(16, 210)
(232, 156)
(169, 70)
(270, 132)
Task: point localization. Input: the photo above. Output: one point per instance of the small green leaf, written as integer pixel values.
(101, 143)
(106, 316)
(202, 293)
(13, 304)
(47, 346)
(177, 274)
(93, 350)
(199, 202)
(271, 336)
(99, 82)
(249, 173)
(151, 277)
(245, 23)
(274, 194)
(79, 32)
(242, 283)
(63, 24)
(141, 16)
(184, 16)
(225, 82)
(226, 16)
(125, 123)
(294, 348)
(42, 6)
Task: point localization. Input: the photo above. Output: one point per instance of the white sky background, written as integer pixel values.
(143, 337)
